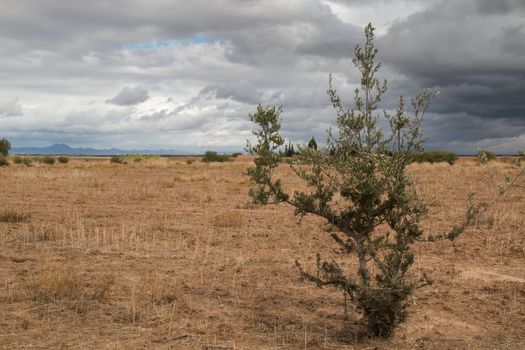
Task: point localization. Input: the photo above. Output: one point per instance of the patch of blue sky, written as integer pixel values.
(160, 43)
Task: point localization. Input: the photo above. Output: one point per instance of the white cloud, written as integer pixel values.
(9, 107)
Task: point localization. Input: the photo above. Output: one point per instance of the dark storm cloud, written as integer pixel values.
(130, 96)
(474, 53)
(491, 7)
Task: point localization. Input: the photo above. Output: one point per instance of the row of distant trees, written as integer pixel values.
(289, 150)
(434, 156)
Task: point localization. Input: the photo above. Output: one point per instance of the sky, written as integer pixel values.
(167, 74)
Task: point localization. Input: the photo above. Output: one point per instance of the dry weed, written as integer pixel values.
(64, 286)
(229, 219)
(14, 216)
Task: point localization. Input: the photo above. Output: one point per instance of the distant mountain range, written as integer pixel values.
(60, 148)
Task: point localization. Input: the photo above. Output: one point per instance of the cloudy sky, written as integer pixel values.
(167, 74)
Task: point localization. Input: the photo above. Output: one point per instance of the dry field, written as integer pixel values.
(168, 255)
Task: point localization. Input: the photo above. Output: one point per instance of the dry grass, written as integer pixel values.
(60, 288)
(228, 219)
(159, 253)
(58, 284)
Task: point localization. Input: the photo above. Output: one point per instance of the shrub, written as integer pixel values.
(358, 183)
(63, 160)
(435, 157)
(236, 154)
(211, 156)
(5, 147)
(3, 161)
(117, 160)
(27, 161)
(190, 161)
(14, 216)
(23, 160)
(50, 160)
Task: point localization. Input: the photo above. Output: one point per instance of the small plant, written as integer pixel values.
(435, 157)
(63, 160)
(161, 291)
(55, 285)
(3, 161)
(50, 160)
(117, 160)
(190, 161)
(358, 184)
(211, 156)
(235, 154)
(14, 216)
(36, 236)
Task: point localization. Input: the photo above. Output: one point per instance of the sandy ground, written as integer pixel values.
(164, 254)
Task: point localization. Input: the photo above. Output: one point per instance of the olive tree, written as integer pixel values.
(358, 183)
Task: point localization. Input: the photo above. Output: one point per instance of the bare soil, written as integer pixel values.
(162, 254)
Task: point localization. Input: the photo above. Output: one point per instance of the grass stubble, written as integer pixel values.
(165, 253)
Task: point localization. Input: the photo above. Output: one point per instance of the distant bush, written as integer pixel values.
(3, 161)
(211, 156)
(63, 160)
(489, 155)
(190, 161)
(435, 157)
(117, 160)
(5, 147)
(236, 154)
(50, 160)
(23, 160)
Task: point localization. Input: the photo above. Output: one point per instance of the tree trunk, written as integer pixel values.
(363, 269)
